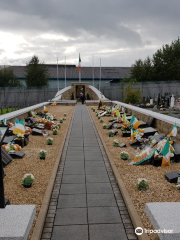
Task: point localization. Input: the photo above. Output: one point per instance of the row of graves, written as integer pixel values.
(151, 147)
(17, 134)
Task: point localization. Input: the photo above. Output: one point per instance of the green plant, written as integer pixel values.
(132, 95)
(124, 155)
(61, 120)
(42, 153)
(99, 117)
(142, 185)
(55, 132)
(64, 114)
(59, 125)
(93, 110)
(104, 126)
(28, 179)
(111, 134)
(49, 141)
(116, 143)
(64, 119)
(101, 121)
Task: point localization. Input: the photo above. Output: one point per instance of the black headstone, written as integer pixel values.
(36, 132)
(6, 158)
(172, 176)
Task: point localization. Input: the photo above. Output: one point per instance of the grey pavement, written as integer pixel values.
(86, 203)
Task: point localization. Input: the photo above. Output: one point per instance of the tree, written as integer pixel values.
(8, 79)
(36, 73)
(164, 65)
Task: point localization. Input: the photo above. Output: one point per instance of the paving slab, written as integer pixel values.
(94, 163)
(72, 232)
(97, 178)
(93, 158)
(72, 188)
(101, 200)
(99, 188)
(103, 215)
(74, 170)
(71, 216)
(72, 201)
(107, 232)
(75, 148)
(74, 163)
(74, 153)
(74, 158)
(95, 170)
(73, 179)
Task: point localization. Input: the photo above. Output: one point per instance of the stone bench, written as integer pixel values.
(165, 217)
(16, 221)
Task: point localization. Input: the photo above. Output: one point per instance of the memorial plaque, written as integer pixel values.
(39, 126)
(37, 132)
(6, 158)
(149, 131)
(16, 154)
(172, 177)
(7, 140)
(150, 121)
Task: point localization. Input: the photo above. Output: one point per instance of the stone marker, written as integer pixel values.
(16, 221)
(165, 217)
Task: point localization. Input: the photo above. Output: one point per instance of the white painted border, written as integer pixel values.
(99, 94)
(59, 94)
(22, 111)
(159, 116)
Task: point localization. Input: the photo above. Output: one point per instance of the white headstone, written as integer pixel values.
(151, 101)
(172, 101)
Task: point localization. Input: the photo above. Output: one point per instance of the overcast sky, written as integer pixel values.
(117, 31)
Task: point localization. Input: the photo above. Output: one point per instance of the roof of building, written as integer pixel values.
(86, 72)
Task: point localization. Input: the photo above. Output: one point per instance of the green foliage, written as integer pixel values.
(163, 66)
(132, 95)
(55, 132)
(142, 185)
(49, 142)
(27, 181)
(36, 73)
(8, 79)
(111, 134)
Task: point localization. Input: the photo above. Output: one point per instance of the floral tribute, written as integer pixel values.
(27, 179)
(116, 143)
(11, 147)
(126, 127)
(124, 155)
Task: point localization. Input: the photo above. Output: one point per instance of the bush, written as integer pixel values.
(142, 185)
(132, 95)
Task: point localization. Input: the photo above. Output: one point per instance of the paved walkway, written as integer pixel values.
(86, 203)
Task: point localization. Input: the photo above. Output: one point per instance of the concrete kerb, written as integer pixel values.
(37, 232)
(127, 199)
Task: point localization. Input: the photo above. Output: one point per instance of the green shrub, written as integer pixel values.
(142, 185)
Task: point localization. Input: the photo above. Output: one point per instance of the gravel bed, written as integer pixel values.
(159, 190)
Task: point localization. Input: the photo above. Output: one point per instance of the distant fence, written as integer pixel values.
(24, 97)
(147, 90)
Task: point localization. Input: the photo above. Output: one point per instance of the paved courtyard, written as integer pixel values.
(86, 203)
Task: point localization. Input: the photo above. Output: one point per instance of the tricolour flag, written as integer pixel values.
(135, 122)
(132, 135)
(166, 154)
(4, 121)
(173, 132)
(79, 65)
(19, 126)
(124, 118)
(117, 113)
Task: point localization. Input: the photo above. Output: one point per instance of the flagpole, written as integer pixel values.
(57, 75)
(65, 72)
(93, 70)
(100, 77)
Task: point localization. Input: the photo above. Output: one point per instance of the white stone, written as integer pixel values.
(165, 215)
(16, 221)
